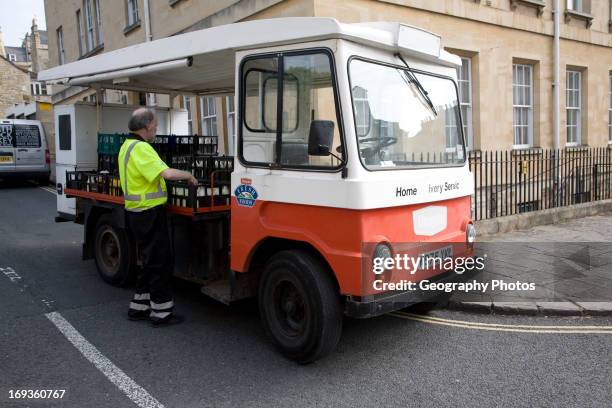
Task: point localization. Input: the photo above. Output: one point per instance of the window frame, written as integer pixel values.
(79, 19)
(266, 129)
(262, 104)
(365, 108)
(277, 163)
(135, 13)
(38, 88)
(204, 117)
(448, 128)
(90, 30)
(61, 54)
(578, 109)
(187, 106)
(530, 108)
(152, 99)
(570, 5)
(231, 115)
(418, 71)
(610, 108)
(468, 131)
(98, 22)
(12, 57)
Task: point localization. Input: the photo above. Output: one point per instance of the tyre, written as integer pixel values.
(300, 307)
(113, 252)
(43, 181)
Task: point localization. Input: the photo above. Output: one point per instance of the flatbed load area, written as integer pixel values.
(195, 154)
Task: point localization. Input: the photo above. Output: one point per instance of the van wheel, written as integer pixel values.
(300, 306)
(112, 252)
(43, 181)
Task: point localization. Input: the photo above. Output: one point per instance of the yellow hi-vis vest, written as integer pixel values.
(140, 170)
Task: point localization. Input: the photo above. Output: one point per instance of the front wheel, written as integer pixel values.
(113, 252)
(300, 306)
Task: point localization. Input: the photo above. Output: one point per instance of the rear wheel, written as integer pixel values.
(43, 180)
(300, 306)
(113, 252)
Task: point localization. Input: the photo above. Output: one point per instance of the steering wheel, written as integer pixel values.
(382, 142)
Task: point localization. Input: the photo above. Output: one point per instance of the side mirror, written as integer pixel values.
(321, 137)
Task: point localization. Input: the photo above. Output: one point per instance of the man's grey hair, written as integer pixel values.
(140, 119)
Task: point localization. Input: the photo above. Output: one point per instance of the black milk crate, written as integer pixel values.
(204, 195)
(179, 161)
(94, 182)
(108, 162)
(222, 166)
(206, 145)
(185, 145)
(75, 180)
(203, 167)
(181, 152)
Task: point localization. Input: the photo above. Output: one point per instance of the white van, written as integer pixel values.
(24, 152)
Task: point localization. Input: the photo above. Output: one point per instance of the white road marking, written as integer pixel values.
(519, 328)
(10, 273)
(135, 392)
(48, 189)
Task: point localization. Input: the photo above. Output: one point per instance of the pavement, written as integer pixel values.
(569, 264)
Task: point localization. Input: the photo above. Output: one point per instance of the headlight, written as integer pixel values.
(470, 234)
(380, 257)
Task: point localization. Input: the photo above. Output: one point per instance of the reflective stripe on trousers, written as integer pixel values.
(161, 310)
(138, 197)
(140, 302)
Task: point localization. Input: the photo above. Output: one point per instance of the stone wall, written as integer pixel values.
(14, 86)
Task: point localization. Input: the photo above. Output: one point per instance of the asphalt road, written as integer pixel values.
(220, 357)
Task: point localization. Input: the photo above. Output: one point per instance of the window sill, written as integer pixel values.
(538, 4)
(130, 28)
(526, 150)
(172, 3)
(92, 52)
(576, 148)
(588, 18)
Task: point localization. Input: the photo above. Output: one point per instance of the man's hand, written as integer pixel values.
(179, 175)
(192, 181)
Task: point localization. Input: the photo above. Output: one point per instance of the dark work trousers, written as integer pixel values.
(153, 295)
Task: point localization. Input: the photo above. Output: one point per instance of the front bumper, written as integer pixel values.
(371, 306)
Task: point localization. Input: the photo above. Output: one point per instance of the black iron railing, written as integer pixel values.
(518, 181)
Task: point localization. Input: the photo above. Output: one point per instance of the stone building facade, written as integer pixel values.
(506, 46)
(14, 85)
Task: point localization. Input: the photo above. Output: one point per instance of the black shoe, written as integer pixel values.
(138, 315)
(167, 321)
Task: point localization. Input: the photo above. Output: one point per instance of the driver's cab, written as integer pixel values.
(362, 143)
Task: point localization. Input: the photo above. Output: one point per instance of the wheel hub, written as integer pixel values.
(291, 313)
(109, 246)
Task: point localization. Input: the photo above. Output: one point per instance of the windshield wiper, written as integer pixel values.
(414, 80)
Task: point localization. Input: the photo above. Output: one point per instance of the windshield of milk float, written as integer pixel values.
(396, 126)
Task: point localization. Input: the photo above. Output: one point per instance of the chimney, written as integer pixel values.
(2, 50)
(34, 46)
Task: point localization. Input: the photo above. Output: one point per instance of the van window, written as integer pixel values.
(259, 114)
(27, 136)
(65, 135)
(307, 94)
(6, 135)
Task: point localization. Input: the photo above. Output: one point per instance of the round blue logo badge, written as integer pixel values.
(246, 195)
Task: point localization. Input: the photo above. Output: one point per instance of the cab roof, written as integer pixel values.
(203, 61)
